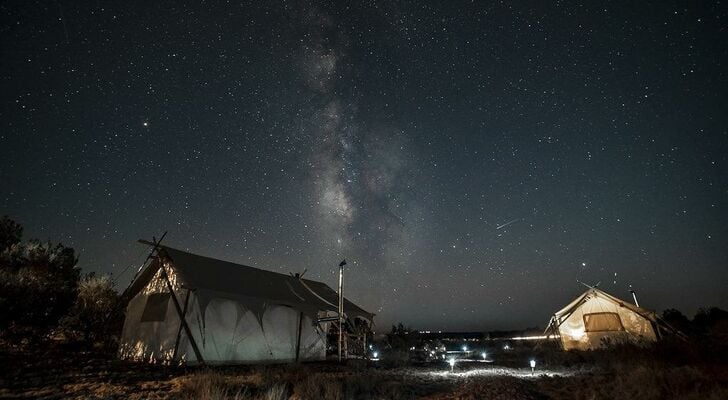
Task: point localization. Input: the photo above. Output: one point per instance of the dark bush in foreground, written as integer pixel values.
(644, 383)
(94, 316)
(38, 283)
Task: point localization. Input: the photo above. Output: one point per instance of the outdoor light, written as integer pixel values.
(465, 348)
(375, 354)
(506, 347)
(533, 365)
(484, 355)
(452, 364)
(371, 347)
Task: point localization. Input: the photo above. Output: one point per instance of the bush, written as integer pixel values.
(10, 232)
(38, 283)
(94, 317)
(638, 382)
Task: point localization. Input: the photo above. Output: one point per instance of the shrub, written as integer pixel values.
(38, 283)
(638, 382)
(10, 232)
(95, 315)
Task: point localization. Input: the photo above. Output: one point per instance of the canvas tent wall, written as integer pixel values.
(231, 313)
(596, 319)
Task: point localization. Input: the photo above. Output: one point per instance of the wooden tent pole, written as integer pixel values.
(179, 331)
(298, 338)
(186, 327)
(141, 267)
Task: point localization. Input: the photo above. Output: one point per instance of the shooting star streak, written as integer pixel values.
(507, 223)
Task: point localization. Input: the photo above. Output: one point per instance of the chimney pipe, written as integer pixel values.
(634, 296)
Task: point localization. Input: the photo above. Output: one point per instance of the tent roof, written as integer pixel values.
(216, 278)
(564, 313)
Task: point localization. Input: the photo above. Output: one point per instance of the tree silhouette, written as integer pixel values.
(38, 284)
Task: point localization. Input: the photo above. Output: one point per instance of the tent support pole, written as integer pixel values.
(298, 337)
(179, 331)
(186, 327)
(341, 309)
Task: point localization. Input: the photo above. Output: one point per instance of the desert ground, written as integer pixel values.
(672, 370)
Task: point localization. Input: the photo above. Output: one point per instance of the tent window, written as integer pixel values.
(156, 307)
(602, 322)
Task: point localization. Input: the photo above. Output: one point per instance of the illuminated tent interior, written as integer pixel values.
(597, 319)
(186, 308)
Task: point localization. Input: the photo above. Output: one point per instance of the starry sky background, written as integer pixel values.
(471, 160)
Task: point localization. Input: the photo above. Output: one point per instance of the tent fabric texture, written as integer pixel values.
(597, 319)
(233, 313)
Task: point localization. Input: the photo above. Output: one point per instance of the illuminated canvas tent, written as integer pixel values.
(597, 319)
(219, 312)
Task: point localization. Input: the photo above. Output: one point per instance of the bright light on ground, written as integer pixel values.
(514, 372)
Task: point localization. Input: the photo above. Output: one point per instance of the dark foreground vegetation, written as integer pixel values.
(670, 370)
(59, 327)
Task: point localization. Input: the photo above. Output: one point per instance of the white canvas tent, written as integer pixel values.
(186, 308)
(596, 319)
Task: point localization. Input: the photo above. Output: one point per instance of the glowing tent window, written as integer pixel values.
(156, 307)
(602, 322)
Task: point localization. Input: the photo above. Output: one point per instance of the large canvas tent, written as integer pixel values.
(186, 308)
(596, 319)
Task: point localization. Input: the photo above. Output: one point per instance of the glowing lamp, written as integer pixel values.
(483, 355)
(533, 365)
(465, 348)
(375, 354)
(452, 364)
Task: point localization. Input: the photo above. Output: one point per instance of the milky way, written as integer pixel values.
(470, 161)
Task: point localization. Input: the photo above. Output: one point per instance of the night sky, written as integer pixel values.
(470, 160)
